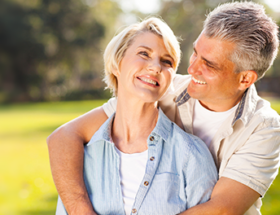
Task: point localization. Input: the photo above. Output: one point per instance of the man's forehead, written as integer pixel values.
(213, 47)
(214, 51)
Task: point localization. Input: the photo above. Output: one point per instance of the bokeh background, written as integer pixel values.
(51, 71)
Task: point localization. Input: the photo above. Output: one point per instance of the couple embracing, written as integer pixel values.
(203, 143)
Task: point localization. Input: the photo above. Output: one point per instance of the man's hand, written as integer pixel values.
(229, 197)
(66, 152)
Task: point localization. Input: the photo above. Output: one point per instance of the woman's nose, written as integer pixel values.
(154, 65)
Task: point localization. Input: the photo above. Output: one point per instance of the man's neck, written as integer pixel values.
(220, 106)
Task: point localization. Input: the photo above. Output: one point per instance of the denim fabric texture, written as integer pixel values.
(180, 172)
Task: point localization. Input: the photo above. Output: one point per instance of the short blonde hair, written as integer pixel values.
(117, 47)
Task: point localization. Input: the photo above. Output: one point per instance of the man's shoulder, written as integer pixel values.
(259, 111)
(265, 112)
(178, 84)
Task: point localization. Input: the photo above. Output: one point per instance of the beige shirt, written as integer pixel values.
(245, 148)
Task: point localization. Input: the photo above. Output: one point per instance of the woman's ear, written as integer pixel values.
(247, 78)
(116, 72)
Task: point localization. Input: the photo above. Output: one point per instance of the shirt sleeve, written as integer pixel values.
(110, 106)
(256, 163)
(201, 174)
(60, 209)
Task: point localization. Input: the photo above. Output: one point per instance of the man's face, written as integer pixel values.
(214, 82)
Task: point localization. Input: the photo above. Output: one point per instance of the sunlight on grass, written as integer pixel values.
(26, 187)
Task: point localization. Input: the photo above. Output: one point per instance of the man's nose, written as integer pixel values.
(194, 68)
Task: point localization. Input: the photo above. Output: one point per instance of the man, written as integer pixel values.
(217, 102)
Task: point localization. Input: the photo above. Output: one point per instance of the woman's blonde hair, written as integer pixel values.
(117, 47)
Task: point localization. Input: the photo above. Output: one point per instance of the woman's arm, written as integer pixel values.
(66, 152)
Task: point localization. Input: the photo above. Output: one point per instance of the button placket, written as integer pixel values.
(154, 150)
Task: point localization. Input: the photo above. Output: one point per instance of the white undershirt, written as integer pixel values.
(132, 171)
(206, 123)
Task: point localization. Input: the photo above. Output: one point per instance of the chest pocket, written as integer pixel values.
(163, 196)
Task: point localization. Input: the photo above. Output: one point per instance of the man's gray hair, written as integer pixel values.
(254, 34)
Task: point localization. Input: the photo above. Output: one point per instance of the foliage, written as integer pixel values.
(50, 47)
(26, 185)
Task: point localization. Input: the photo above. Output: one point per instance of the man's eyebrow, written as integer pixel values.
(194, 46)
(211, 63)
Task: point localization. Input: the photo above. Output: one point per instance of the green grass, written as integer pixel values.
(26, 186)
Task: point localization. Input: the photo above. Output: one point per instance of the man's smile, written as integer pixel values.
(198, 81)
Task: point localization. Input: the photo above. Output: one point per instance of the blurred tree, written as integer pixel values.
(52, 49)
(49, 48)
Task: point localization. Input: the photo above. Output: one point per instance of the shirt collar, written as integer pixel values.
(104, 132)
(245, 109)
(163, 126)
(162, 129)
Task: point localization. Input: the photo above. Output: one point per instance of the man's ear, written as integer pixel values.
(247, 78)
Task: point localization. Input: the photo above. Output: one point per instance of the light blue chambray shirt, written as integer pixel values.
(180, 172)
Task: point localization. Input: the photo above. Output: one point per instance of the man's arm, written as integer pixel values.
(66, 152)
(229, 197)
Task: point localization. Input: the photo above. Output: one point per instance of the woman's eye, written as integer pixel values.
(168, 62)
(144, 53)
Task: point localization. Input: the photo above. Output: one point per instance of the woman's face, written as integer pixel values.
(146, 70)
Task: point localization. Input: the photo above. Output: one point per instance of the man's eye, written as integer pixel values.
(209, 66)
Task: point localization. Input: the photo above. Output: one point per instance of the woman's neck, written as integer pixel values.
(133, 123)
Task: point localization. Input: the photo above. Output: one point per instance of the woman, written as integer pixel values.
(139, 161)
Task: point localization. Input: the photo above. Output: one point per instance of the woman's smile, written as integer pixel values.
(149, 80)
(146, 69)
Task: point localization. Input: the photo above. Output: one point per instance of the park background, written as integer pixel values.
(51, 71)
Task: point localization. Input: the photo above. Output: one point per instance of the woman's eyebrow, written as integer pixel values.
(146, 47)
(151, 50)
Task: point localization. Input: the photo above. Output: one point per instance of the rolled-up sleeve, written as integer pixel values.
(256, 163)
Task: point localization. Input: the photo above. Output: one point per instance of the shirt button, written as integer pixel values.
(152, 158)
(152, 138)
(134, 210)
(146, 183)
